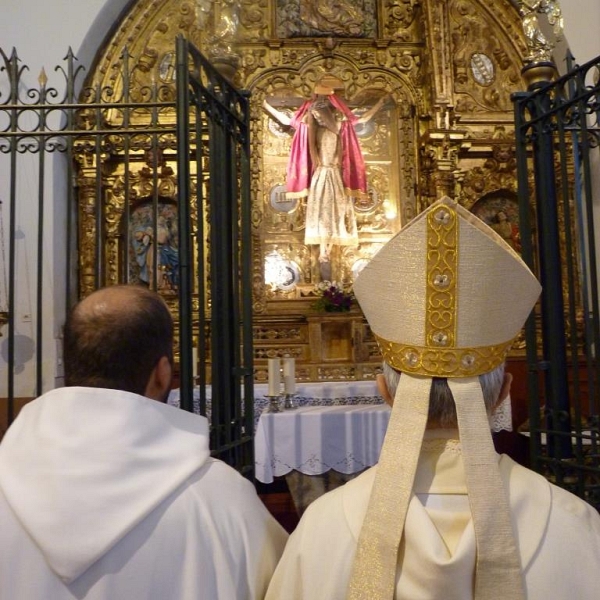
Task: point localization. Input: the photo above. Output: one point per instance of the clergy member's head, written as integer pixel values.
(495, 387)
(120, 337)
(445, 299)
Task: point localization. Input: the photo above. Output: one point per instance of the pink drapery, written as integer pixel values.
(300, 168)
(353, 164)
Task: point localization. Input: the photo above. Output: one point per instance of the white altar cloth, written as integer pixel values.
(334, 393)
(316, 439)
(327, 393)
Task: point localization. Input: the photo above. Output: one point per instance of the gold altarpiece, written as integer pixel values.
(449, 69)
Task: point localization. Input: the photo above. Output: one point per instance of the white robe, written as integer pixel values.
(558, 536)
(108, 495)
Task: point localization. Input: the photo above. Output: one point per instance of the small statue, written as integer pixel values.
(540, 47)
(225, 30)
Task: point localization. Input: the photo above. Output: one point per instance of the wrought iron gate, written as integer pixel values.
(90, 172)
(558, 135)
(217, 117)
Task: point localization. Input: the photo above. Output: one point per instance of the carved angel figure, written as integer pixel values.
(226, 28)
(540, 46)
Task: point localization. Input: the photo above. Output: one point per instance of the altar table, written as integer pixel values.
(336, 433)
(317, 439)
(330, 393)
(334, 393)
(318, 448)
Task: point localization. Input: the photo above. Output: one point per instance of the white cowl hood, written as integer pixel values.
(80, 467)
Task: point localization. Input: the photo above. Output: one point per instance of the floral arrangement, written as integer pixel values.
(333, 297)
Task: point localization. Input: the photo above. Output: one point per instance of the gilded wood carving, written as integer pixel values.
(449, 68)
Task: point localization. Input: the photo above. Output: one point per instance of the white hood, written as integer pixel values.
(80, 467)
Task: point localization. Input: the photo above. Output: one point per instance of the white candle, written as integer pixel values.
(289, 375)
(195, 362)
(274, 377)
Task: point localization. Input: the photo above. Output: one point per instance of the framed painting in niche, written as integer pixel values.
(501, 212)
(153, 247)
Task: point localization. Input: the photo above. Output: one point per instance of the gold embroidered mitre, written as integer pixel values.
(445, 298)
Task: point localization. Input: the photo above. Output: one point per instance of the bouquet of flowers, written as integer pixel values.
(333, 297)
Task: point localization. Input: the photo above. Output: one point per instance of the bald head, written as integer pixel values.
(117, 304)
(115, 337)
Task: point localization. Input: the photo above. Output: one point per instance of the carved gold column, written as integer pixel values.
(87, 185)
(439, 164)
(439, 43)
(87, 234)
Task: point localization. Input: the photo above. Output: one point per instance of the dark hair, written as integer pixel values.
(115, 337)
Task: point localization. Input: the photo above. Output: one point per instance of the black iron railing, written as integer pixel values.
(222, 149)
(557, 132)
(130, 180)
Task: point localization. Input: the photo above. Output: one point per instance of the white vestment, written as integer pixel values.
(109, 495)
(558, 536)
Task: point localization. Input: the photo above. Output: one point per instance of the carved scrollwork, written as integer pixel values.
(408, 62)
(251, 62)
(449, 67)
(498, 172)
(400, 19)
(254, 20)
(484, 74)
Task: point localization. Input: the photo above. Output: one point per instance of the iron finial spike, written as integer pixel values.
(43, 78)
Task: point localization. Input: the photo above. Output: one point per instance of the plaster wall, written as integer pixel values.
(582, 24)
(42, 31)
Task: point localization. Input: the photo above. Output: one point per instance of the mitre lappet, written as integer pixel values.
(446, 297)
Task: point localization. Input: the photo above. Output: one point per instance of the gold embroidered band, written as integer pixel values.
(442, 362)
(374, 569)
(442, 274)
(498, 571)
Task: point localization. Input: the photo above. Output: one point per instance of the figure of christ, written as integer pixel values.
(327, 167)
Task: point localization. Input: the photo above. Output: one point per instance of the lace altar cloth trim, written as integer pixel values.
(501, 420)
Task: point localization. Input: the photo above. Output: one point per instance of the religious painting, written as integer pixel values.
(326, 18)
(153, 246)
(501, 212)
